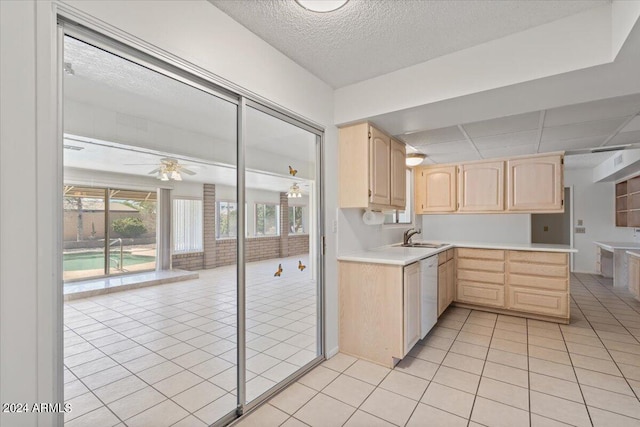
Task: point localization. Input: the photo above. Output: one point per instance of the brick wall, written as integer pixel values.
(209, 224)
(256, 249)
(223, 252)
(191, 261)
(298, 244)
(284, 225)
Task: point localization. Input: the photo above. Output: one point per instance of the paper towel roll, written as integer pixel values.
(372, 218)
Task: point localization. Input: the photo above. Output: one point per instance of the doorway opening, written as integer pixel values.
(553, 228)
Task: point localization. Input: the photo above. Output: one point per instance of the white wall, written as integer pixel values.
(593, 203)
(194, 31)
(489, 228)
(572, 43)
(355, 235)
(19, 327)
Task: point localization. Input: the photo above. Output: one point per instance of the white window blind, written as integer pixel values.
(187, 225)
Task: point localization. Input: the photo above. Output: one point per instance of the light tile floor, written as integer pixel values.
(476, 368)
(166, 355)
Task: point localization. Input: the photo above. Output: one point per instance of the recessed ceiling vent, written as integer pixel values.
(617, 160)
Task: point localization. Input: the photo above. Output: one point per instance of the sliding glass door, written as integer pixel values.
(208, 205)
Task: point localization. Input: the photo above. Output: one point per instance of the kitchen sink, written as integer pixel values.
(422, 245)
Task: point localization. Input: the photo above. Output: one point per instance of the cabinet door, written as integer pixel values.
(539, 301)
(480, 293)
(379, 168)
(481, 187)
(442, 288)
(451, 282)
(412, 320)
(435, 189)
(398, 174)
(535, 184)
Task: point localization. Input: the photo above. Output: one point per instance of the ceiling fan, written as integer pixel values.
(169, 169)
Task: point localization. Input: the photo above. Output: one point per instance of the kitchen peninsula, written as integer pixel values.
(612, 261)
(381, 290)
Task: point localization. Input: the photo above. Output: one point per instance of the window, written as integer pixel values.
(402, 217)
(226, 220)
(267, 219)
(296, 223)
(187, 225)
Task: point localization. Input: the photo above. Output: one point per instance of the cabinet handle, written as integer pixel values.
(369, 193)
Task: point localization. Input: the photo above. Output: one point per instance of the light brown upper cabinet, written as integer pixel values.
(398, 174)
(372, 169)
(481, 187)
(435, 189)
(534, 184)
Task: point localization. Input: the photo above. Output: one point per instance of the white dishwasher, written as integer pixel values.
(429, 294)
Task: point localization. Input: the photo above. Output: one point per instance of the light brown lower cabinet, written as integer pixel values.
(480, 277)
(526, 283)
(379, 310)
(446, 280)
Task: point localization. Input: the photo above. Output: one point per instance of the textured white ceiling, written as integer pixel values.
(606, 122)
(368, 38)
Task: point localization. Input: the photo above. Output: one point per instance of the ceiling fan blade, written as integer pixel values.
(156, 170)
(187, 171)
(139, 164)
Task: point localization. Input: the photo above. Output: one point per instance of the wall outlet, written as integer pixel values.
(546, 228)
(581, 230)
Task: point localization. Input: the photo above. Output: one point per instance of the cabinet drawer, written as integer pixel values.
(539, 257)
(481, 276)
(481, 253)
(550, 303)
(481, 265)
(449, 254)
(442, 258)
(480, 293)
(538, 282)
(561, 271)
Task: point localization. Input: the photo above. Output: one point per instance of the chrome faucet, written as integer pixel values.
(409, 234)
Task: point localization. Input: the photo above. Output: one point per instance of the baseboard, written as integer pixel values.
(332, 352)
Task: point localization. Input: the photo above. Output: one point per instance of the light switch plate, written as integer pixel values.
(579, 222)
(581, 230)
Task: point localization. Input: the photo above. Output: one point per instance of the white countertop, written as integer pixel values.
(610, 246)
(634, 253)
(397, 255)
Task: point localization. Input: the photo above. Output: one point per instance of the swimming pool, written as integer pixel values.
(77, 261)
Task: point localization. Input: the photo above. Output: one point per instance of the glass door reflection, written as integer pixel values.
(281, 252)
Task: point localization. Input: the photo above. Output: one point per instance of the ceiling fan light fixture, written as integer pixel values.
(163, 176)
(294, 191)
(415, 159)
(322, 6)
(175, 175)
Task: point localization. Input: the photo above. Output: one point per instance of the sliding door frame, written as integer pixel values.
(83, 27)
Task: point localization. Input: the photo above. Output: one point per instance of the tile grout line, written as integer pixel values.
(439, 366)
(484, 363)
(154, 352)
(573, 368)
(612, 359)
(526, 325)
